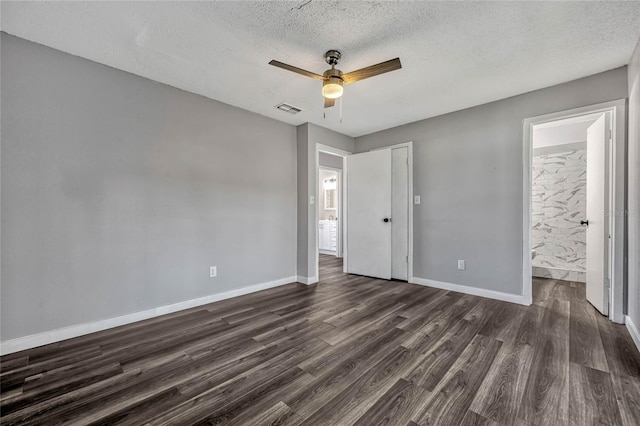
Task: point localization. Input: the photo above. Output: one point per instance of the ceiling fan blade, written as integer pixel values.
(373, 70)
(328, 103)
(296, 70)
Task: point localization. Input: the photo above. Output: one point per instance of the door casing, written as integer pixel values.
(314, 256)
(616, 200)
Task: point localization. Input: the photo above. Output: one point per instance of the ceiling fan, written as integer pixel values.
(333, 79)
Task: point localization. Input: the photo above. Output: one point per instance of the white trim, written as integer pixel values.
(331, 150)
(409, 146)
(306, 280)
(474, 291)
(314, 212)
(343, 232)
(329, 168)
(527, 183)
(47, 337)
(633, 331)
(616, 199)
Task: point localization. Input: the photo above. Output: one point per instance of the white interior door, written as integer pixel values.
(598, 225)
(400, 213)
(368, 205)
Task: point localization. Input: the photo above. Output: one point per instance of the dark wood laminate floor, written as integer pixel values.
(351, 350)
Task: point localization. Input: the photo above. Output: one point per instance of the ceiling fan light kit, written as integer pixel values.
(333, 79)
(332, 87)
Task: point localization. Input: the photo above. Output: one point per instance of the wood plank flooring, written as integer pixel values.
(350, 350)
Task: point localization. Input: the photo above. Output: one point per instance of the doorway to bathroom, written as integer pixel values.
(330, 212)
(572, 239)
(329, 207)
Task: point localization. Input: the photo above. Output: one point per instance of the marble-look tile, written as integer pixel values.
(559, 274)
(558, 206)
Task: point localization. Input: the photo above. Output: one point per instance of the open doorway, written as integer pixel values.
(569, 195)
(330, 212)
(573, 160)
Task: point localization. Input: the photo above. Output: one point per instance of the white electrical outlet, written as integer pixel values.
(416, 199)
(213, 271)
(461, 264)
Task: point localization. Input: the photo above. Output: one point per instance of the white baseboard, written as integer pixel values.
(34, 340)
(490, 294)
(633, 331)
(306, 280)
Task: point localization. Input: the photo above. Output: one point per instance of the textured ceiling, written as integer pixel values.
(454, 54)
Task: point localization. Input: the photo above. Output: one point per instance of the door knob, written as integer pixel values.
(584, 222)
(386, 219)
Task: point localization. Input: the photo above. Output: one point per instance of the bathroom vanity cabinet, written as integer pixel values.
(327, 235)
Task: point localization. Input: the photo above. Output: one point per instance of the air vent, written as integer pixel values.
(288, 108)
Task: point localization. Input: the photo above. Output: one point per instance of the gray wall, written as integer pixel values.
(634, 189)
(329, 160)
(308, 136)
(118, 193)
(330, 138)
(468, 170)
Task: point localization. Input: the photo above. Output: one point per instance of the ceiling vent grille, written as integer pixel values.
(288, 108)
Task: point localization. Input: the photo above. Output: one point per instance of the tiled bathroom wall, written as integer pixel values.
(558, 205)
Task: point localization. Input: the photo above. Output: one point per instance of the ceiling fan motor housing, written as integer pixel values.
(332, 73)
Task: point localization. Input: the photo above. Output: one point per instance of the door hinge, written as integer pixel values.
(607, 283)
(609, 134)
(407, 259)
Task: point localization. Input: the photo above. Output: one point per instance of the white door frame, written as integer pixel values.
(339, 208)
(616, 200)
(314, 212)
(409, 146)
